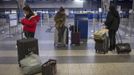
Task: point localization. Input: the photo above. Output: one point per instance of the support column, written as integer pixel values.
(131, 18)
(133, 5)
(21, 3)
(132, 22)
(105, 5)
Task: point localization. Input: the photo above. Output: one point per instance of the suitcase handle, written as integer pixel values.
(120, 38)
(76, 27)
(22, 33)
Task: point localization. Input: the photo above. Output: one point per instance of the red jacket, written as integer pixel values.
(30, 24)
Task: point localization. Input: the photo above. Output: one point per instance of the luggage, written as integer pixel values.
(122, 47)
(64, 39)
(31, 64)
(100, 34)
(75, 35)
(49, 68)
(75, 38)
(101, 46)
(101, 41)
(25, 46)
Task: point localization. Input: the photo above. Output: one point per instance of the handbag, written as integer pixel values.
(49, 67)
(122, 47)
(31, 64)
(100, 34)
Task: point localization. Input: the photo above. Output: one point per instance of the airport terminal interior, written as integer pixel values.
(72, 59)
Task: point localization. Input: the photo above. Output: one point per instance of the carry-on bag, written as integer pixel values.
(75, 35)
(25, 46)
(49, 67)
(31, 64)
(122, 47)
(101, 41)
(100, 34)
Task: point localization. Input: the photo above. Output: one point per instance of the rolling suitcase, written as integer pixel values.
(101, 46)
(49, 68)
(122, 47)
(75, 38)
(101, 41)
(75, 35)
(26, 46)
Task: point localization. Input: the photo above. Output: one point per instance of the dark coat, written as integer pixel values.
(112, 20)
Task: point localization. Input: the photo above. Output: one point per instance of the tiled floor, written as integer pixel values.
(72, 60)
(78, 69)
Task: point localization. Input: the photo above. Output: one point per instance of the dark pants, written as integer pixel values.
(112, 34)
(60, 33)
(29, 34)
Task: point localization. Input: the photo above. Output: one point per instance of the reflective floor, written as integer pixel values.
(71, 60)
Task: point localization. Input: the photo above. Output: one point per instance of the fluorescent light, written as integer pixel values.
(6, 0)
(100, 9)
(79, 0)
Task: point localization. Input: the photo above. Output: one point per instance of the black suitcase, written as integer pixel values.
(101, 46)
(121, 47)
(49, 67)
(25, 46)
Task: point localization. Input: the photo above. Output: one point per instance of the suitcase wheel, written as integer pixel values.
(19, 65)
(118, 53)
(75, 44)
(100, 52)
(123, 53)
(96, 51)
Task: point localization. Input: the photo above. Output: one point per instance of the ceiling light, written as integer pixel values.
(79, 0)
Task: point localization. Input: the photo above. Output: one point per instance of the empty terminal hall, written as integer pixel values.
(66, 37)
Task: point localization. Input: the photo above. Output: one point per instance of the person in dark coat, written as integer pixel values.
(112, 24)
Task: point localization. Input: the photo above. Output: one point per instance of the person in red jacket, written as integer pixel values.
(29, 22)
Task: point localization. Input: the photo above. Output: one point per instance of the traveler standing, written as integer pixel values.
(112, 24)
(29, 22)
(60, 19)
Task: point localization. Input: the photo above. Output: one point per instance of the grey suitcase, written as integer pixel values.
(101, 46)
(65, 38)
